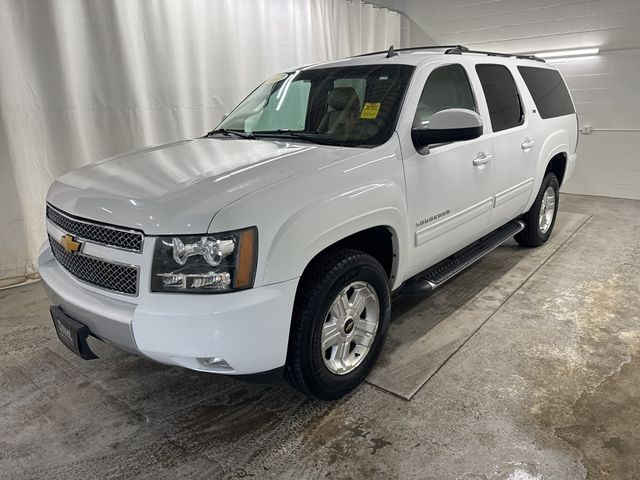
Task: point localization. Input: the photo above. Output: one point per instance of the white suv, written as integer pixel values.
(274, 242)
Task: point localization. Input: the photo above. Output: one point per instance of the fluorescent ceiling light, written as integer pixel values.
(569, 53)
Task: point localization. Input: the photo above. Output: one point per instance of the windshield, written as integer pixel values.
(349, 106)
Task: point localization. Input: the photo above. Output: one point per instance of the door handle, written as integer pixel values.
(527, 144)
(482, 159)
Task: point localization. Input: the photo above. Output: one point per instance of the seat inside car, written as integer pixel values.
(344, 110)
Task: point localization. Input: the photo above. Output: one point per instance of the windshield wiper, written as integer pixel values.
(228, 132)
(285, 133)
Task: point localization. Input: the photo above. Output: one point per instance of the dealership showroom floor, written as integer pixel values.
(523, 366)
(526, 366)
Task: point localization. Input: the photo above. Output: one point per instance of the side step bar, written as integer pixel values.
(427, 281)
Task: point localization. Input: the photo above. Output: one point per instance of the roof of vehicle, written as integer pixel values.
(418, 56)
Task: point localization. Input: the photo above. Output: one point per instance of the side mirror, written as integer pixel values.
(445, 126)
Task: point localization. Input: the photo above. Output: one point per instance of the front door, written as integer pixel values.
(450, 188)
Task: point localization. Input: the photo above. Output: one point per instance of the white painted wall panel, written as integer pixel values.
(605, 90)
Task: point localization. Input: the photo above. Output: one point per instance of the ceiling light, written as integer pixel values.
(568, 53)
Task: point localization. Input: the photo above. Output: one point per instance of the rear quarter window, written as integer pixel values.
(548, 90)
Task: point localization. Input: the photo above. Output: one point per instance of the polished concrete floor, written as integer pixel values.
(544, 386)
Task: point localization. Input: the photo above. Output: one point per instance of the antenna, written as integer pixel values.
(390, 52)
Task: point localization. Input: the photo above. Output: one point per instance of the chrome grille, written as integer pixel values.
(103, 234)
(101, 273)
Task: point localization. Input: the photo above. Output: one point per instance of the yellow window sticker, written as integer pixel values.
(370, 111)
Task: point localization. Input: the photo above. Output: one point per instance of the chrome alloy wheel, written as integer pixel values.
(547, 210)
(350, 328)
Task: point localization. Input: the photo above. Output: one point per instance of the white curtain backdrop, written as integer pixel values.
(84, 79)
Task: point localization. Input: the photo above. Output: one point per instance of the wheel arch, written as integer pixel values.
(379, 241)
(378, 229)
(558, 165)
(554, 156)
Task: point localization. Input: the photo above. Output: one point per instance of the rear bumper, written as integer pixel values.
(248, 329)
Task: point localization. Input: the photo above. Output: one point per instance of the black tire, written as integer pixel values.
(532, 236)
(320, 285)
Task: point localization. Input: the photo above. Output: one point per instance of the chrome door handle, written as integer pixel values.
(482, 158)
(527, 144)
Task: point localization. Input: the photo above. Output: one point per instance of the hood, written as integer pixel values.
(177, 188)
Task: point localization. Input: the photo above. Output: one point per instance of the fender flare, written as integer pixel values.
(372, 205)
(556, 143)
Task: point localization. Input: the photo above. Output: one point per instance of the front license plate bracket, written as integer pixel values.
(72, 333)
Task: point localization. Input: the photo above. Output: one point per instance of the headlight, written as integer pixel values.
(205, 263)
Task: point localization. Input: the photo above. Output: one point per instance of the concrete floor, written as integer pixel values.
(546, 387)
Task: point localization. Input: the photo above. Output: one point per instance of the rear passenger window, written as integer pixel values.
(446, 87)
(548, 90)
(505, 108)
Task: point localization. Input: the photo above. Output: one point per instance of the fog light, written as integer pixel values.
(214, 363)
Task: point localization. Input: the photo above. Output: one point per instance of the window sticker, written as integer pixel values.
(370, 111)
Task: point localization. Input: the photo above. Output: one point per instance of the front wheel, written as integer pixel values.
(541, 217)
(340, 322)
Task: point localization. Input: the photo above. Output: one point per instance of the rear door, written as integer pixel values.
(556, 123)
(515, 149)
(450, 187)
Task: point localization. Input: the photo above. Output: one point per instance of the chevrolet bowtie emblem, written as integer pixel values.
(69, 244)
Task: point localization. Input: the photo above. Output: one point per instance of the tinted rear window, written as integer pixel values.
(548, 91)
(502, 96)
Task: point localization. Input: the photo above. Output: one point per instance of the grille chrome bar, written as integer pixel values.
(110, 236)
(105, 274)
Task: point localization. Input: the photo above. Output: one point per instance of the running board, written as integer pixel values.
(430, 279)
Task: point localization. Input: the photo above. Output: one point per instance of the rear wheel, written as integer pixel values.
(541, 217)
(340, 322)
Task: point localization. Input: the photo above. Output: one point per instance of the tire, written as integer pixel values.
(537, 231)
(330, 283)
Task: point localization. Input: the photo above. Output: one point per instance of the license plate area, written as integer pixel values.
(72, 333)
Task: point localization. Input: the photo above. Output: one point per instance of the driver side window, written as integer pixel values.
(446, 87)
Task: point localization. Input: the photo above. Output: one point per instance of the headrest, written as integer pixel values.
(340, 97)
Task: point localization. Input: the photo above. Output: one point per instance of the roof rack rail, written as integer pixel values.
(461, 49)
(453, 50)
(407, 49)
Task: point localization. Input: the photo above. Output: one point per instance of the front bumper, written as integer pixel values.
(249, 329)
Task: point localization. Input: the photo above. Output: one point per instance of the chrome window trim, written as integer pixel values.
(99, 225)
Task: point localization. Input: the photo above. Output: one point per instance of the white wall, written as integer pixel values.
(85, 79)
(523, 25)
(606, 88)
